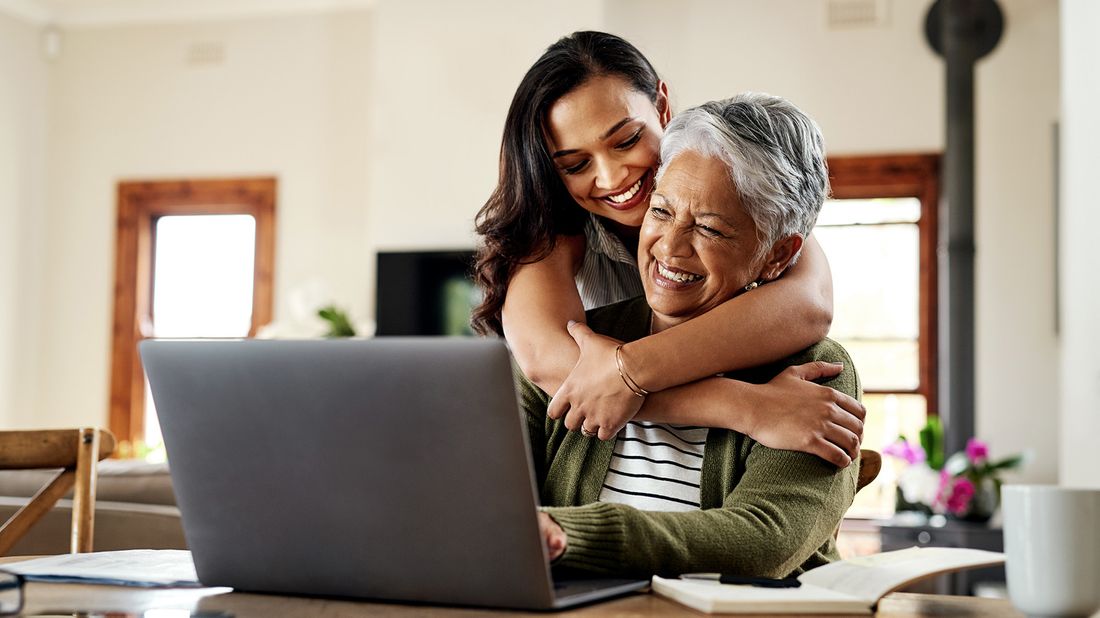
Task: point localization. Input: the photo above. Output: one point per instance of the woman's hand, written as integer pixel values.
(553, 537)
(793, 413)
(594, 396)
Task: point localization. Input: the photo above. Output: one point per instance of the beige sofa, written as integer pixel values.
(135, 509)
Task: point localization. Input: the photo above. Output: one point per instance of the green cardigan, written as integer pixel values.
(765, 512)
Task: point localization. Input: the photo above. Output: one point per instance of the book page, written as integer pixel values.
(872, 577)
(137, 567)
(713, 597)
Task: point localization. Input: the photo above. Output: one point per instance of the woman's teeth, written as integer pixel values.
(677, 277)
(628, 194)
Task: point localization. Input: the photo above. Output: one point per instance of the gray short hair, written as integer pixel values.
(775, 154)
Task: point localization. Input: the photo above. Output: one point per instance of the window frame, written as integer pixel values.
(140, 204)
(894, 176)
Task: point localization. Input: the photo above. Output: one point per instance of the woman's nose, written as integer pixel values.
(610, 175)
(676, 241)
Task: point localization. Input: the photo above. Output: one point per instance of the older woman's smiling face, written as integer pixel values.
(697, 242)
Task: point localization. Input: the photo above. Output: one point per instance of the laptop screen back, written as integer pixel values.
(387, 468)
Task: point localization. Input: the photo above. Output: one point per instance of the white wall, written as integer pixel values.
(383, 127)
(1080, 220)
(443, 87)
(872, 90)
(1017, 106)
(290, 99)
(23, 98)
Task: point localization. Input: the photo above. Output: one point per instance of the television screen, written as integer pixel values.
(425, 293)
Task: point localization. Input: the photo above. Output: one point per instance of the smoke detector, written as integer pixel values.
(847, 14)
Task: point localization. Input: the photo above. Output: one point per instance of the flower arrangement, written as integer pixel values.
(966, 485)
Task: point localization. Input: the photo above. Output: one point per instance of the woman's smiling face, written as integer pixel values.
(604, 138)
(697, 244)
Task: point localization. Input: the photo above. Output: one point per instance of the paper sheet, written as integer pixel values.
(136, 567)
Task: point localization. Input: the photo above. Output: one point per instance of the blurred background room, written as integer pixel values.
(229, 167)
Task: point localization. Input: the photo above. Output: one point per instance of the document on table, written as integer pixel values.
(147, 568)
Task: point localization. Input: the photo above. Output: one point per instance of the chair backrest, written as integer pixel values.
(870, 463)
(76, 452)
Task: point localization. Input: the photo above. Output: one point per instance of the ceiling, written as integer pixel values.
(92, 13)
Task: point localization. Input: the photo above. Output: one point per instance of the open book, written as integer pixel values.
(852, 586)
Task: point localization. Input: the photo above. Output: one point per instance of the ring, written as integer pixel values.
(588, 434)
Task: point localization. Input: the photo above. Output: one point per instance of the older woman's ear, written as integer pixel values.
(781, 256)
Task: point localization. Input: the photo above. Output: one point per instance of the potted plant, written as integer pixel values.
(966, 485)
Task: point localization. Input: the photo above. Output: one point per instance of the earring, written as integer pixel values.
(752, 286)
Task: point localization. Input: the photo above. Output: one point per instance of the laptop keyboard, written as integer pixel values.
(574, 587)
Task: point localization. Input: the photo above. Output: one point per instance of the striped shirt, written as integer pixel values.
(656, 467)
(609, 272)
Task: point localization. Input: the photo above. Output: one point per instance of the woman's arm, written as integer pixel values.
(765, 325)
(542, 298)
(772, 322)
(783, 510)
(776, 518)
(790, 412)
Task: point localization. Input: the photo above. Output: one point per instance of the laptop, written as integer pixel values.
(392, 469)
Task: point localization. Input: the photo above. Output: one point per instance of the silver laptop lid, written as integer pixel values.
(387, 468)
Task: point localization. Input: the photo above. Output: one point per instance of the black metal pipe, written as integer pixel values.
(956, 253)
(962, 31)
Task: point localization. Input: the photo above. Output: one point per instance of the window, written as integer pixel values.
(879, 232)
(194, 259)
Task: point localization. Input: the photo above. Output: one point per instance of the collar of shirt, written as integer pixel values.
(602, 241)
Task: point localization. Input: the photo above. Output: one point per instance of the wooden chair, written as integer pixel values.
(76, 452)
(870, 463)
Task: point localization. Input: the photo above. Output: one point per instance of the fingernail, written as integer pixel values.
(570, 323)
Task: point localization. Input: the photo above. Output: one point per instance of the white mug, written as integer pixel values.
(1052, 549)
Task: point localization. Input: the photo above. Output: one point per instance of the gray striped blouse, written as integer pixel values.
(609, 272)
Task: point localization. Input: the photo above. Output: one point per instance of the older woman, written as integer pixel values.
(738, 191)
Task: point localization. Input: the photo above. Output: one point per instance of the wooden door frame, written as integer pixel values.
(904, 175)
(140, 203)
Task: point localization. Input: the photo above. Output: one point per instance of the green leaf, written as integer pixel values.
(931, 440)
(1007, 463)
(339, 324)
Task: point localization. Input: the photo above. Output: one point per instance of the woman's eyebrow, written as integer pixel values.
(658, 197)
(715, 215)
(618, 125)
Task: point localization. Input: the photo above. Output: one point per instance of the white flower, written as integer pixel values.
(919, 484)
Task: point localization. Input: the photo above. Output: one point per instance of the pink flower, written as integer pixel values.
(954, 494)
(976, 451)
(961, 493)
(911, 453)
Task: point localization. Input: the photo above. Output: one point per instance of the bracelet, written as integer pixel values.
(630, 383)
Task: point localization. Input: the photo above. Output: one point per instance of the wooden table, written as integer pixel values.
(44, 598)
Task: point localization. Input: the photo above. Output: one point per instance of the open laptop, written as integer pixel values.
(392, 468)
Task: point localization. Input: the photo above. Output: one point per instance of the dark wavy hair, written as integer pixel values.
(530, 206)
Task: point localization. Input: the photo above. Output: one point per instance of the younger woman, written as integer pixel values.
(560, 236)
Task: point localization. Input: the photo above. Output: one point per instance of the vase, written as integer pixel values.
(901, 505)
(984, 503)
